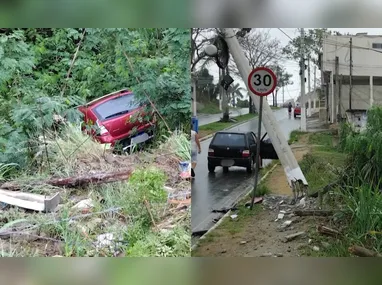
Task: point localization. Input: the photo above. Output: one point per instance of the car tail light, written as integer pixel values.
(245, 153)
(211, 152)
(101, 129)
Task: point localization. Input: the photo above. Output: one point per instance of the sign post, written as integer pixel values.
(261, 81)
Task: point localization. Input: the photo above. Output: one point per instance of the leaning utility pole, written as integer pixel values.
(351, 72)
(302, 77)
(282, 148)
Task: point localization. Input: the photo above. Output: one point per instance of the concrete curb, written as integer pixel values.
(250, 188)
(234, 125)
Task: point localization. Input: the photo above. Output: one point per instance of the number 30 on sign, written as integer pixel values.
(262, 81)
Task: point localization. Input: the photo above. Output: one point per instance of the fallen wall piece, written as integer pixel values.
(30, 201)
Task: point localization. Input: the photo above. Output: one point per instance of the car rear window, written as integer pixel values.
(116, 107)
(227, 139)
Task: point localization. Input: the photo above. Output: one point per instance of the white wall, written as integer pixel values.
(365, 62)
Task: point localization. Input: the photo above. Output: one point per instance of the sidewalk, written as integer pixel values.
(314, 124)
(205, 119)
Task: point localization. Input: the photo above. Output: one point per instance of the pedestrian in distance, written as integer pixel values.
(290, 109)
(195, 150)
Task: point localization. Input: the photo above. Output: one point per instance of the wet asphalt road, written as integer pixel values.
(205, 119)
(217, 190)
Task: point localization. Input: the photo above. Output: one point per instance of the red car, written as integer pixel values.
(118, 118)
(297, 111)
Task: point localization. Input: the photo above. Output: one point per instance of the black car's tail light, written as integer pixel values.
(245, 153)
(211, 152)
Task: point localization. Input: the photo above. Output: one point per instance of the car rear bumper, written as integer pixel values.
(109, 139)
(226, 161)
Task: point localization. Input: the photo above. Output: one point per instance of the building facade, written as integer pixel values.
(352, 74)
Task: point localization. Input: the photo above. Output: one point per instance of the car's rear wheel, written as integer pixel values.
(211, 168)
(225, 169)
(251, 166)
(295, 115)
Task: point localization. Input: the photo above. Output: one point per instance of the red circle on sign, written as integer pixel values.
(271, 73)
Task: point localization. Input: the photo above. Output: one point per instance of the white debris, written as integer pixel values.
(280, 216)
(303, 202)
(84, 204)
(104, 240)
(316, 248)
(234, 216)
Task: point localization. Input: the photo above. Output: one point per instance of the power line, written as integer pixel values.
(285, 34)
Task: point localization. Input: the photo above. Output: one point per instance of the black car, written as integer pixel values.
(232, 149)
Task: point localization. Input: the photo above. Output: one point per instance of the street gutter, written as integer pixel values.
(249, 189)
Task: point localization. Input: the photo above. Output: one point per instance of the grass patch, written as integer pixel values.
(234, 226)
(295, 136)
(324, 139)
(319, 168)
(219, 126)
(125, 211)
(275, 108)
(210, 108)
(262, 190)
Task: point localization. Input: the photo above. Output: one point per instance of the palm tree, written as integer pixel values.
(235, 91)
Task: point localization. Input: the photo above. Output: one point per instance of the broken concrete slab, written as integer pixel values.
(30, 201)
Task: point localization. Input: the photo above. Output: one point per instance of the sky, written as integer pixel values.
(293, 91)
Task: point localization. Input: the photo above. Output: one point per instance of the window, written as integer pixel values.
(223, 139)
(377, 45)
(251, 139)
(116, 107)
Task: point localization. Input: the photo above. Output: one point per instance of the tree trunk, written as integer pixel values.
(250, 105)
(225, 101)
(78, 181)
(276, 98)
(273, 97)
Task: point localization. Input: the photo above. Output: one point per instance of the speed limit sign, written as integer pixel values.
(262, 81)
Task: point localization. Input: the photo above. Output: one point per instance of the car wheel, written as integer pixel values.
(211, 168)
(225, 169)
(251, 167)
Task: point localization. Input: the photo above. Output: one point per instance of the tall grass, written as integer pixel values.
(360, 192)
(6, 169)
(180, 144)
(365, 148)
(364, 220)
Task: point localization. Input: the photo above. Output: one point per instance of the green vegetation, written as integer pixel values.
(231, 226)
(218, 126)
(354, 164)
(47, 73)
(295, 136)
(210, 108)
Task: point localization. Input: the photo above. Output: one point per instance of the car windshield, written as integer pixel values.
(116, 107)
(227, 139)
